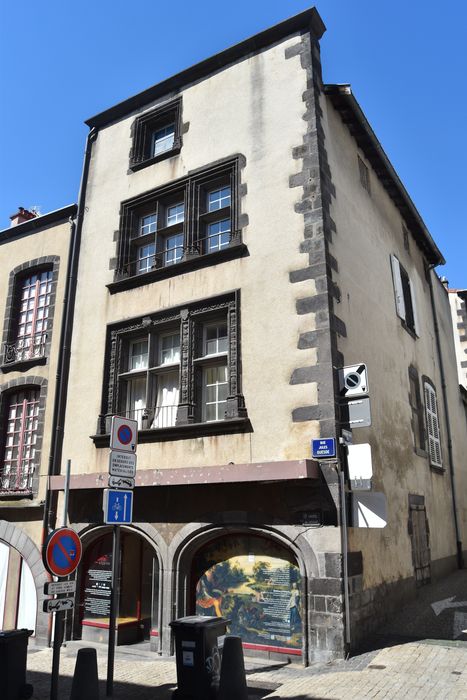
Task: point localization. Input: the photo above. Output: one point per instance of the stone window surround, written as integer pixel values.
(12, 311)
(31, 382)
(190, 317)
(144, 127)
(190, 188)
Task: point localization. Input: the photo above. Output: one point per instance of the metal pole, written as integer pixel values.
(113, 610)
(345, 557)
(58, 634)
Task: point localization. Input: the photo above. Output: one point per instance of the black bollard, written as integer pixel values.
(232, 684)
(85, 684)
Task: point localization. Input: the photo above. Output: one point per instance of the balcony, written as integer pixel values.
(25, 348)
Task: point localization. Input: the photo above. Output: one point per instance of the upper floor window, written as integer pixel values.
(432, 425)
(177, 369)
(156, 135)
(29, 316)
(19, 451)
(364, 175)
(404, 294)
(416, 406)
(181, 221)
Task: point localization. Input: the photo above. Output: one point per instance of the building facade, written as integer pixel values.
(34, 255)
(243, 238)
(458, 304)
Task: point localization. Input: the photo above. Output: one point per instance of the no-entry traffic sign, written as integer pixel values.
(62, 552)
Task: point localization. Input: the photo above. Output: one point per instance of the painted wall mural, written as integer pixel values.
(255, 583)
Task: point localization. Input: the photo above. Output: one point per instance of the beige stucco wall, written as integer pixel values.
(369, 230)
(254, 108)
(53, 240)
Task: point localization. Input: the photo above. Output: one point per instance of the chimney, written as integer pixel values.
(21, 216)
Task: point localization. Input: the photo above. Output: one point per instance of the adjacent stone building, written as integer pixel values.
(458, 304)
(244, 238)
(34, 254)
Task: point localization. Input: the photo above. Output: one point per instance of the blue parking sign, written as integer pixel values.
(118, 507)
(323, 448)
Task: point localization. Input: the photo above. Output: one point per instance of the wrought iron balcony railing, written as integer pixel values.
(27, 348)
(147, 418)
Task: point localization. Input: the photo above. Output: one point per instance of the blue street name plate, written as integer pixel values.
(325, 447)
(118, 507)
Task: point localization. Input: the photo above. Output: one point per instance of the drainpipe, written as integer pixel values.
(63, 360)
(460, 560)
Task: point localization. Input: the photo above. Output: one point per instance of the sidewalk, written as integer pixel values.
(433, 667)
(430, 670)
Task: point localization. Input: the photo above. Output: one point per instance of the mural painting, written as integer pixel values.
(255, 583)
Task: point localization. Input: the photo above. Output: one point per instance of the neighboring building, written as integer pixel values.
(458, 304)
(33, 258)
(244, 237)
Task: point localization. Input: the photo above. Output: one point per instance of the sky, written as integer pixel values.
(62, 62)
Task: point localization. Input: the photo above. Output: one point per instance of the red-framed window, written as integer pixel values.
(18, 464)
(33, 315)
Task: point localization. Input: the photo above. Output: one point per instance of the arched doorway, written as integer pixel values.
(256, 583)
(138, 608)
(18, 599)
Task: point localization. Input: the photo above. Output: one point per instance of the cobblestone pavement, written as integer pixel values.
(429, 662)
(430, 670)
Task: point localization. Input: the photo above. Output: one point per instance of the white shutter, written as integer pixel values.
(432, 424)
(398, 291)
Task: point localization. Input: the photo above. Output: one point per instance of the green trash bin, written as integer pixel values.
(198, 650)
(13, 655)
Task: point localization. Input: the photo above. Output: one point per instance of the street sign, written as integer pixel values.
(122, 463)
(121, 482)
(323, 448)
(353, 381)
(58, 604)
(58, 587)
(124, 434)
(62, 552)
(369, 509)
(360, 467)
(356, 413)
(118, 507)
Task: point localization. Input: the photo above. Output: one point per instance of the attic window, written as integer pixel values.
(156, 135)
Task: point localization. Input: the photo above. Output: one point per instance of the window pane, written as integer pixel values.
(215, 392)
(18, 461)
(138, 355)
(219, 198)
(146, 257)
(216, 340)
(165, 410)
(176, 214)
(148, 224)
(136, 399)
(169, 349)
(173, 249)
(218, 235)
(163, 139)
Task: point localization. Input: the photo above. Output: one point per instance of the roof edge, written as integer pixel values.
(342, 94)
(39, 222)
(308, 20)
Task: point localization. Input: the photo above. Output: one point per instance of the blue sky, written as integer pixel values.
(63, 62)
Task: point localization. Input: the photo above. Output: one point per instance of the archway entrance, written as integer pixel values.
(138, 610)
(255, 582)
(18, 600)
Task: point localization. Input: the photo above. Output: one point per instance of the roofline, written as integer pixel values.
(344, 101)
(309, 20)
(38, 222)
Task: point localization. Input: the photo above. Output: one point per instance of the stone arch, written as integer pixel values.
(192, 537)
(15, 537)
(90, 533)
